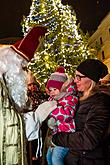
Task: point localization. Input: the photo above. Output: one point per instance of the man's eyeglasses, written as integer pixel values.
(79, 77)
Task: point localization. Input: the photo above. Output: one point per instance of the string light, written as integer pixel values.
(63, 45)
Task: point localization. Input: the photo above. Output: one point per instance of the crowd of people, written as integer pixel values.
(68, 124)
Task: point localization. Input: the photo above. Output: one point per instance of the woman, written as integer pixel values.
(89, 145)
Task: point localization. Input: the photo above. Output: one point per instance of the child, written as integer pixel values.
(61, 119)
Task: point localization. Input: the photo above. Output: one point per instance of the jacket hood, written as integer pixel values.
(69, 86)
(105, 88)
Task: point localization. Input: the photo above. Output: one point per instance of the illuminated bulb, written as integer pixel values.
(46, 57)
(37, 57)
(47, 65)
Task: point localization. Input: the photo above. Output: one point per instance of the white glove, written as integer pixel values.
(44, 110)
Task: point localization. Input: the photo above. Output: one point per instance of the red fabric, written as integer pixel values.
(54, 84)
(64, 113)
(28, 45)
(57, 78)
(60, 69)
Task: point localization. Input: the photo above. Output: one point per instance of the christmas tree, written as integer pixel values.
(63, 45)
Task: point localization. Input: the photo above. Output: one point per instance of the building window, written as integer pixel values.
(109, 30)
(103, 55)
(101, 40)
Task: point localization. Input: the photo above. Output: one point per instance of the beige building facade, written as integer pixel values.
(101, 37)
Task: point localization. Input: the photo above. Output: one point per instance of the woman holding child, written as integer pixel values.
(90, 143)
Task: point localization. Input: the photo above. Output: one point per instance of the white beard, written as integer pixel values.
(11, 66)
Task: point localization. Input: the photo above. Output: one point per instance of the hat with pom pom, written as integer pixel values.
(57, 78)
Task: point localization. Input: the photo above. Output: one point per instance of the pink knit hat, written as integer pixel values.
(57, 78)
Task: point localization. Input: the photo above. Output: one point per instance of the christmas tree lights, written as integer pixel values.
(62, 44)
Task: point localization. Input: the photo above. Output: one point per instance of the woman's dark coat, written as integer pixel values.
(90, 144)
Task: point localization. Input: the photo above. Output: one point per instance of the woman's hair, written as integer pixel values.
(93, 87)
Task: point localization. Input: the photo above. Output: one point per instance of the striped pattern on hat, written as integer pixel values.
(57, 78)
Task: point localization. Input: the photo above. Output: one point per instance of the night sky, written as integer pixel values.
(89, 14)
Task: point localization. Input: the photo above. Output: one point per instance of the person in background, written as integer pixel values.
(13, 96)
(106, 79)
(90, 144)
(105, 84)
(36, 97)
(63, 90)
(34, 92)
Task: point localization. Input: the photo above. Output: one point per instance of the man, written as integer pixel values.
(13, 96)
